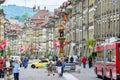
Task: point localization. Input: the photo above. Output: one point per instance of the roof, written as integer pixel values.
(41, 14)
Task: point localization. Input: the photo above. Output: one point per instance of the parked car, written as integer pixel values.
(40, 64)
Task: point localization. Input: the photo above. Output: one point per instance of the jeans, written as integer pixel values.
(16, 76)
(84, 65)
(1, 73)
(62, 70)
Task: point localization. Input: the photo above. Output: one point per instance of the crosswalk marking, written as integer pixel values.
(68, 76)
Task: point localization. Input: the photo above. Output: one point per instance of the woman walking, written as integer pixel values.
(7, 67)
(59, 67)
(49, 67)
(16, 69)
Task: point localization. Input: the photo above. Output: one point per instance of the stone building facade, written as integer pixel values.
(107, 23)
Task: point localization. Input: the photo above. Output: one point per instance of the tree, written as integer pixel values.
(9, 51)
(1, 52)
(23, 17)
(89, 44)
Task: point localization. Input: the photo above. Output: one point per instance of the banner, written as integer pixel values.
(56, 43)
(2, 44)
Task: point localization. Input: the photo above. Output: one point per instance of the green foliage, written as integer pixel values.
(21, 17)
(17, 17)
(9, 51)
(25, 15)
(89, 42)
(1, 9)
(47, 55)
(1, 53)
(12, 17)
(90, 55)
(27, 54)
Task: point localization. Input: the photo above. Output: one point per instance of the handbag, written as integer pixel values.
(59, 70)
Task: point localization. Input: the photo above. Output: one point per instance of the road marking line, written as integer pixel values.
(69, 76)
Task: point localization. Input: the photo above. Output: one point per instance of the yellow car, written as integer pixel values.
(39, 64)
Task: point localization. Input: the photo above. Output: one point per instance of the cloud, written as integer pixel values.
(50, 4)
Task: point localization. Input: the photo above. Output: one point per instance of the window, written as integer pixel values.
(119, 51)
(99, 56)
(43, 61)
(110, 55)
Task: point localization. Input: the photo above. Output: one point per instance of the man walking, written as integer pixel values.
(84, 62)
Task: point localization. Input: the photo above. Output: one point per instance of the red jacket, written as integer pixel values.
(1, 63)
(83, 60)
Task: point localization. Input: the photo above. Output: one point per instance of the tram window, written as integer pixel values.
(110, 56)
(119, 52)
(99, 56)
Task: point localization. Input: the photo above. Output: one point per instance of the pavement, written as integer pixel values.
(41, 74)
(85, 74)
(69, 76)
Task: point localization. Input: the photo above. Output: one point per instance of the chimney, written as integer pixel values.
(38, 8)
(44, 7)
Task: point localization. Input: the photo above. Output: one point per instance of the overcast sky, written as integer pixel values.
(50, 4)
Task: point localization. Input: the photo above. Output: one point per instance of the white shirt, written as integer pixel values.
(7, 64)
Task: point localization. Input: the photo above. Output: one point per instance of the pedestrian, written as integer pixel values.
(1, 68)
(25, 62)
(59, 67)
(66, 60)
(84, 62)
(7, 67)
(56, 58)
(71, 59)
(16, 69)
(90, 62)
(49, 67)
(50, 57)
(22, 65)
(63, 66)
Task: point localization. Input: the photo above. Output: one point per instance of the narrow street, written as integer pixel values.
(41, 74)
(67, 32)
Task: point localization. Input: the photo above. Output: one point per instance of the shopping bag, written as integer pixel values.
(59, 70)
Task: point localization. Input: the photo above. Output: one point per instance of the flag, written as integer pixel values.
(56, 43)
